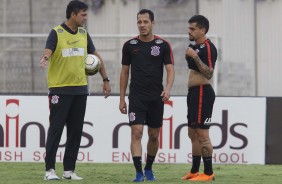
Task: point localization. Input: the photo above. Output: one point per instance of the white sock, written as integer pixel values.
(68, 172)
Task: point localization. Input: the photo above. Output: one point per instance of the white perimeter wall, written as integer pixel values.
(249, 32)
(269, 29)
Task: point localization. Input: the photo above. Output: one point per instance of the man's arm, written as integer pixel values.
(169, 81)
(204, 69)
(124, 75)
(50, 48)
(45, 58)
(103, 73)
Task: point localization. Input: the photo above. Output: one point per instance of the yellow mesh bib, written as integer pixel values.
(66, 67)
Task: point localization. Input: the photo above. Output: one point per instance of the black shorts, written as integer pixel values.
(146, 112)
(200, 100)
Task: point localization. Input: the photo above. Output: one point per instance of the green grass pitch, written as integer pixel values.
(33, 173)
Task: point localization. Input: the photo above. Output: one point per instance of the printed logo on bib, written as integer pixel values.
(155, 50)
(60, 30)
(73, 52)
(70, 43)
(81, 31)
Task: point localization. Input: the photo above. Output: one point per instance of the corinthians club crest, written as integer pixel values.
(55, 99)
(155, 50)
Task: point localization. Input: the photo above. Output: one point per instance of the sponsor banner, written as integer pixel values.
(237, 131)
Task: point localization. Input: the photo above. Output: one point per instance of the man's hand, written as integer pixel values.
(44, 62)
(165, 95)
(123, 107)
(191, 52)
(106, 89)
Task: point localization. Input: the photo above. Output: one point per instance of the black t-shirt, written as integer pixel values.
(147, 60)
(207, 53)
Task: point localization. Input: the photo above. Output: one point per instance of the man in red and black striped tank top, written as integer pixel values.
(201, 58)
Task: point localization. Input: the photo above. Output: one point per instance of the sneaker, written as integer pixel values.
(203, 177)
(190, 175)
(139, 177)
(71, 175)
(51, 175)
(149, 174)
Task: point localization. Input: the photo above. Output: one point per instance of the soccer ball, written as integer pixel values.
(92, 64)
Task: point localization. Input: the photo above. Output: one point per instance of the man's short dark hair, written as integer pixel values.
(201, 21)
(75, 6)
(143, 11)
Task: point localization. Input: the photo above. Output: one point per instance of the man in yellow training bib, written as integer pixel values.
(66, 47)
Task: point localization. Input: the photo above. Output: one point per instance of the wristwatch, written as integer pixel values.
(106, 79)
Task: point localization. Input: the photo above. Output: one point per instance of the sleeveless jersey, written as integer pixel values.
(66, 67)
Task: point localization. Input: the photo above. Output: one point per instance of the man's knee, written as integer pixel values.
(136, 133)
(206, 145)
(154, 134)
(192, 134)
(153, 137)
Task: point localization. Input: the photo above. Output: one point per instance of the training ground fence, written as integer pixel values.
(20, 55)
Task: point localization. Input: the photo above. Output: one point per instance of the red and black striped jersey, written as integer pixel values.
(147, 60)
(207, 53)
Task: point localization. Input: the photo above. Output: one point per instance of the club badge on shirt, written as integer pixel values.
(155, 50)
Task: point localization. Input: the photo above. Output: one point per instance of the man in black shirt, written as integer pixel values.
(147, 55)
(201, 59)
